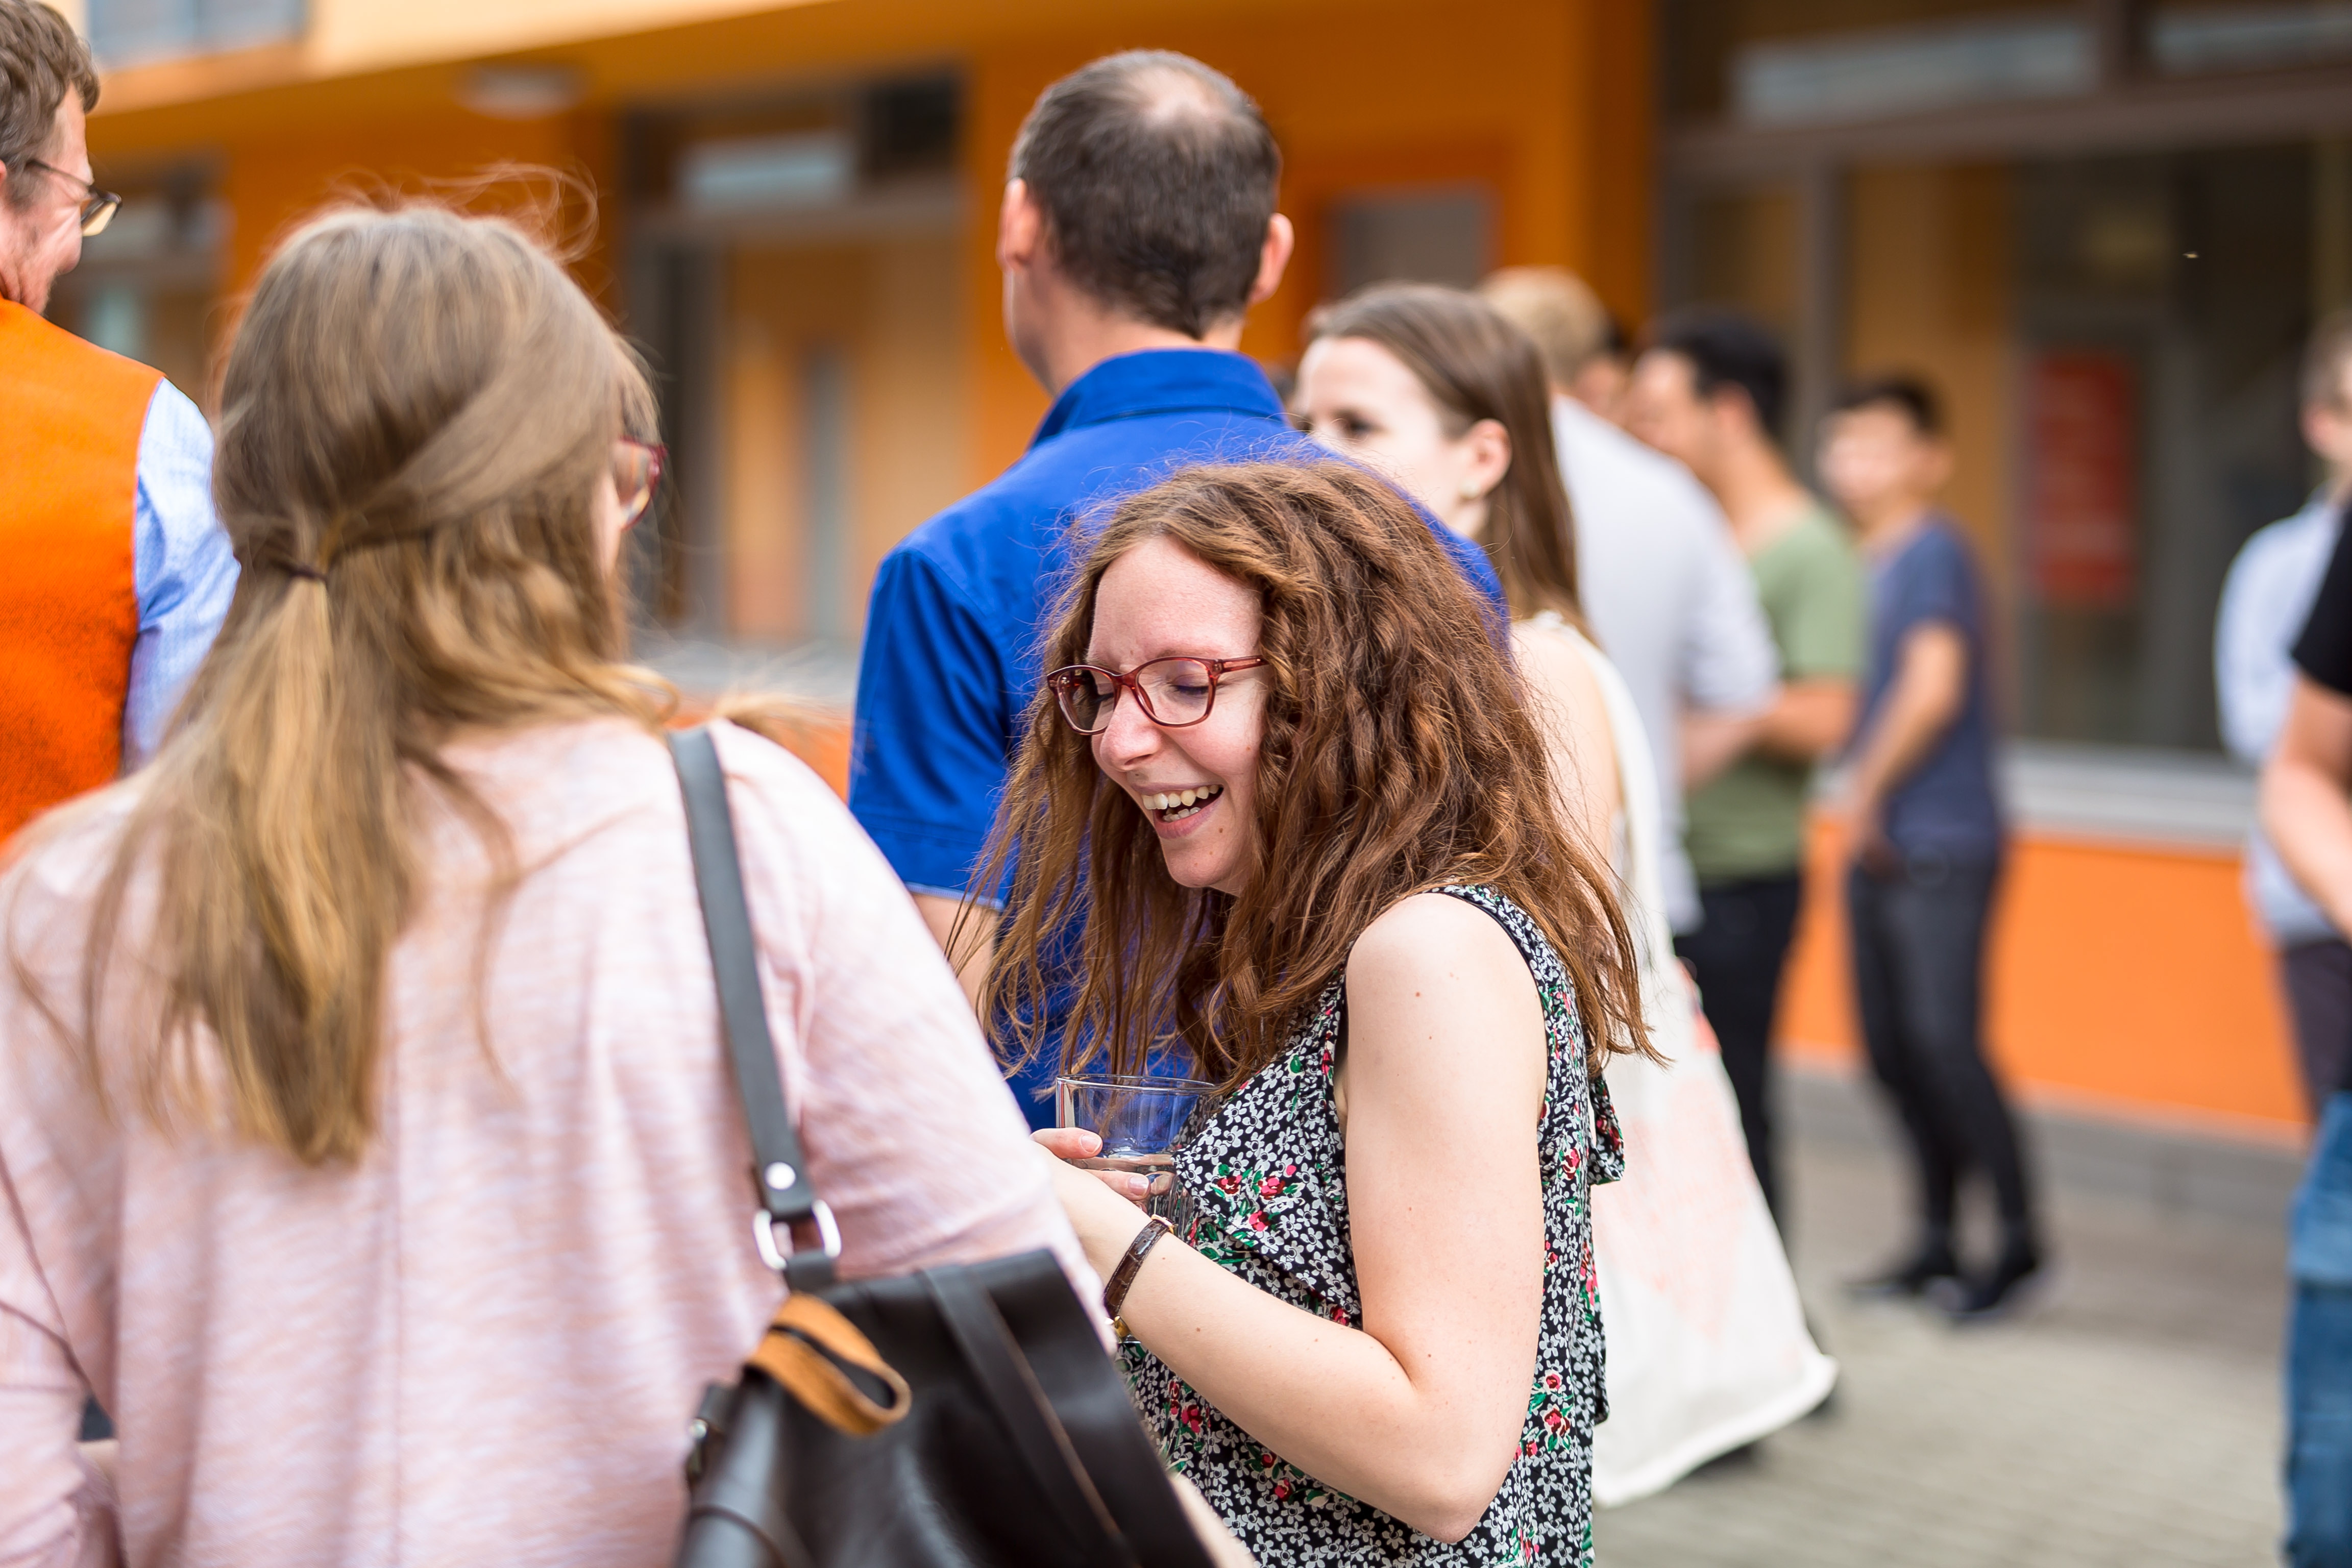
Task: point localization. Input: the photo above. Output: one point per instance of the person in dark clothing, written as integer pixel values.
(1926, 837)
(2307, 813)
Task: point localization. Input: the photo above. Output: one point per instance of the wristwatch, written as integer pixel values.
(1123, 1276)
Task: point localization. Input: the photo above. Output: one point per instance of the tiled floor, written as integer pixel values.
(2130, 1418)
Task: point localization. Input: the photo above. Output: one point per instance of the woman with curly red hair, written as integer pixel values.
(1283, 799)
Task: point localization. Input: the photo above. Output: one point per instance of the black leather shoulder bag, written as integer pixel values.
(959, 1418)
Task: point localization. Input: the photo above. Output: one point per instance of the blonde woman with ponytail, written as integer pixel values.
(366, 1139)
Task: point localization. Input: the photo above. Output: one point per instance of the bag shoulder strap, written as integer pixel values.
(780, 1173)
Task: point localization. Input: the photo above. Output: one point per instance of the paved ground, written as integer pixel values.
(2131, 1418)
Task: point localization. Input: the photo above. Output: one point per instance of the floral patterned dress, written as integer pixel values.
(1266, 1174)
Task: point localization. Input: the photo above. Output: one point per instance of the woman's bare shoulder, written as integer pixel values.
(1442, 1005)
(1434, 935)
(1554, 660)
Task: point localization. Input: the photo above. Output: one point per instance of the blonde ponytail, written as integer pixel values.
(416, 411)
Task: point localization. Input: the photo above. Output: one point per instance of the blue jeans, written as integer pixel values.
(2319, 1351)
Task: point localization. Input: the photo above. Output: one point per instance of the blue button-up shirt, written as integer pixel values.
(953, 632)
(181, 566)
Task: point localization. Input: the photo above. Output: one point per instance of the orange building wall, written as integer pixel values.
(888, 306)
(1549, 99)
(271, 176)
(2122, 979)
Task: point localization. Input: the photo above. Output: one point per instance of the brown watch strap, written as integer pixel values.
(1123, 1276)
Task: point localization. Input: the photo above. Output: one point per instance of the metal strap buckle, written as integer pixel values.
(763, 1232)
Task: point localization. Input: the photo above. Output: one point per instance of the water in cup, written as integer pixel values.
(1144, 1123)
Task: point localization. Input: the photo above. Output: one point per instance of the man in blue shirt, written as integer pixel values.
(2264, 602)
(1925, 829)
(1137, 227)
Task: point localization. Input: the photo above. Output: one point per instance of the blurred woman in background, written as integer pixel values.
(1437, 389)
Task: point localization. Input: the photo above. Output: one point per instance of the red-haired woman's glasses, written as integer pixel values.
(1173, 692)
(636, 474)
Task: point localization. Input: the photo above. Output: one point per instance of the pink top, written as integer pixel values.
(483, 1342)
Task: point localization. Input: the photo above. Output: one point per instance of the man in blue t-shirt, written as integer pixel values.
(1924, 831)
(1138, 226)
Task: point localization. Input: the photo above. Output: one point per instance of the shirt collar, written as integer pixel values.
(1161, 381)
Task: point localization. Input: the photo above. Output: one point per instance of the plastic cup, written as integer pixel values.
(1144, 1123)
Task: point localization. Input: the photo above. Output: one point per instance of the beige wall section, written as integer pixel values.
(890, 308)
(369, 34)
(1930, 291)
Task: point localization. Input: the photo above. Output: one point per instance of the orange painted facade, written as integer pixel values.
(2123, 981)
(1559, 122)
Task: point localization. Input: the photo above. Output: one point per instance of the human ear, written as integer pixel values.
(1274, 255)
(1734, 411)
(1020, 225)
(1486, 450)
(1934, 465)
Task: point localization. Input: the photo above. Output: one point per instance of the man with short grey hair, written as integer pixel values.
(119, 573)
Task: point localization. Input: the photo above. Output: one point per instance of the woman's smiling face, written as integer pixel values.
(1160, 601)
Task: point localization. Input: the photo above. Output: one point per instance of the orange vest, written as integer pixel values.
(69, 421)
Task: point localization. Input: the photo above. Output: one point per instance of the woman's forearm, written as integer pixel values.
(2310, 821)
(1329, 1399)
(1929, 690)
(1419, 1413)
(2305, 805)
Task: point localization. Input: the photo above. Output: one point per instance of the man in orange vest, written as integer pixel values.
(117, 573)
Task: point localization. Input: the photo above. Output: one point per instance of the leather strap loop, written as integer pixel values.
(790, 1352)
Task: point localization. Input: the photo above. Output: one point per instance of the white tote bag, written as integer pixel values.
(1707, 1347)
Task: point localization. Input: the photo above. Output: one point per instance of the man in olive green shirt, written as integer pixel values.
(1709, 391)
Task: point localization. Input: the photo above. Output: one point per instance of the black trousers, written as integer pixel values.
(1738, 956)
(1919, 969)
(2319, 993)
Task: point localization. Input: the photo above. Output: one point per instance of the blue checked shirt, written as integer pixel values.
(179, 562)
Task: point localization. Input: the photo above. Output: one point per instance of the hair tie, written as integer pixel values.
(307, 574)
